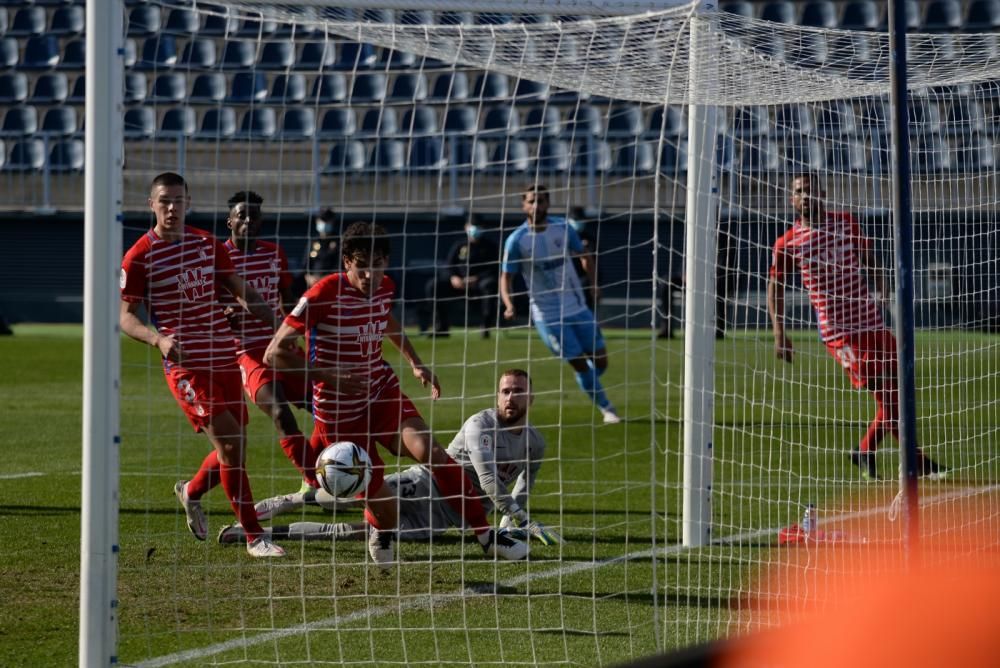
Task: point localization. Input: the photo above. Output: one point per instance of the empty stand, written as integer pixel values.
(178, 123)
(59, 121)
(13, 88)
(27, 155)
(347, 157)
(50, 88)
(208, 88)
(298, 124)
(337, 123)
(19, 121)
(288, 89)
(140, 123)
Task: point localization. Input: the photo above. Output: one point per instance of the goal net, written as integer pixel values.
(433, 119)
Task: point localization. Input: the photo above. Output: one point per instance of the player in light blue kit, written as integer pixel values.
(542, 249)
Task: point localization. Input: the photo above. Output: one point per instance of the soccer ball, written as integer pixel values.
(344, 469)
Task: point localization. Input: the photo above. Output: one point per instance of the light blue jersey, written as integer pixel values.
(544, 260)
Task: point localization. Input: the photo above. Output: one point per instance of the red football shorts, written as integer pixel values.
(869, 358)
(202, 394)
(256, 375)
(382, 423)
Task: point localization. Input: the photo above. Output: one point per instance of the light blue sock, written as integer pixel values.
(591, 385)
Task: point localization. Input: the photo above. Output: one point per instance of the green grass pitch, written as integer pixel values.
(620, 588)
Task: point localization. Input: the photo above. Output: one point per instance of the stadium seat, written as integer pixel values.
(41, 53)
(144, 20)
(69, 20)
(379, 122)
(353, 56)
(635, 158)
(836, 119)
(288, 89)
(427, 154)
(592, 158)
(983, 15)
(846, 155)
(409, 87)
(384, 16)
(168, 88)
(416, 17)
(500, 121)
(973, 153)
(758, 156)
(553, 156)
(673, 127)
(369, 87)
(673, 156)
(178, 122)
(248, 87)
(258, 123)
(911, 8)
(26, 156)
(238, 55)
(389, 155)
(455, 18)
(861, 15)
(879, 156)
(793, 119)
(924, 117)
(50, 88)
(809, 50)
(298, 124)
(943, 15)
(584, 121)
(158, 53)
(804, 154)
(140, 123)
(59, 121)
(624, 121)
(182, 22)
(276, 56)
(450, 86)
(393, 59)
(79, 92)
(965, 116)
(460, 121)
(317, 56)
(542, 122)
(420, 121)
(739, 8)
(27, 21)
(751, 122)
(819, 14)
(779, 12)
(19, 121)
(199, 54)
(530, 92)
(257, 27)
(491, 18)
(930, 154)
(13, 88)
(725, 150)
(218, 123)
(208, 88)
(328, 89)
(298, 29)
(511, 157)
(338, 122)
(468, 154)
(74, 55)
(221, 24)
(769, 44)
(8, 53)
(4, 25)
(346, 158)
(491, 86)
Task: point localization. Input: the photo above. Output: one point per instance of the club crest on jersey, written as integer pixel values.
(193, 283)
(485, 442)
(122, 278)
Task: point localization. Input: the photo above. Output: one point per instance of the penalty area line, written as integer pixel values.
(13, 476)
(569, 569)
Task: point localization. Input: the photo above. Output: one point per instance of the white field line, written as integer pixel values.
(428, 601)
(12, 476)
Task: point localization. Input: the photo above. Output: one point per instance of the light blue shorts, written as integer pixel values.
(575, 336)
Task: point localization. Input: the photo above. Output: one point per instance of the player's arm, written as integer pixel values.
(282, 354)
(135, 328)
(506, 294)
(776, 304)
(394, 331)
(248, 298)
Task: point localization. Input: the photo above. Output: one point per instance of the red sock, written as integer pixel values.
(886, 420)
(299, 453)
(206, 478)
(237, 486)
(457, 489)
(371, 519)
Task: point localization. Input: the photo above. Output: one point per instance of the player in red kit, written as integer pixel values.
(357, 396)
(830, 253)
(178, 273)
(264, 267)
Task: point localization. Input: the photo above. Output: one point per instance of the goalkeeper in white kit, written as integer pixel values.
(497, 447)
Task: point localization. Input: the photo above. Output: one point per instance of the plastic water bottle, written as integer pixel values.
(809, 520)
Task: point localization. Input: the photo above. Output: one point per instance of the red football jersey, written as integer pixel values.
(828, 256)
(344, 330)
(266, 269)
(178, 284)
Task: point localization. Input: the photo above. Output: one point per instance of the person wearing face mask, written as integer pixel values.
(322, 256)
(472, 269)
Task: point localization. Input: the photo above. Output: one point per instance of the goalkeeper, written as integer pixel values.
(497, 447)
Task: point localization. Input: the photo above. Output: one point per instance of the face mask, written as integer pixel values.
(323, 227)
(474, 232)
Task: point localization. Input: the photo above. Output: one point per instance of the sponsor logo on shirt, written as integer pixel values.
(193, 283)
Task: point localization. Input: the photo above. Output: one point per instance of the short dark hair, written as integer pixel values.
(517, 373)
(811, 177)
(167, 179)
(535, 189)
(245, 196)
(327, 215)
(364, 240)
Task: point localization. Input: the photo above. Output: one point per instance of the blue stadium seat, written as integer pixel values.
(259, 123)
(624, 121)
(67, 156)
(238, 55)
(460, 120)
(416, 17)
(298, 124)
(542, 122)
(8, 53)
(257, 28)
(793, 119)
(4, 24)
(454, 18)
(552, 156)
(408, 87)
(500, 121)
(158, 53)
(635, 158)
(725, 152)
(511, 157)
(219, 24)
(329, 88)
(129, 57)
(492, 18)
(808, 50)
(779, 12)
(276, 56)
(911, 8)
(389, 155)
(384, 16)
(248, 87)
(50, 88)
(836, 119)
(974, 153)
(673, 127)
(931, 154)
(943, 15)
(79, 93)
(594, 158)
(347, 157)
(369, 87)
(317, 56)
(298, 29)
(759, 156)
(288, 89)
(584, 121)
(847, 155)
(338, 122)
(353, 56)
(27, 21)
(41, 53)
(491, 86)
(182, 22)
(199, 54)
(168, 88)
(68, 20)
(13, 88)
(140, 123)
(19, 121)
(26, 156)
(59, 122)
(983, 15)
(427, 154)
(420, 121)
(208, 88)
(819, 14)
(217, 123)
(453, 86)
(379, 122)
(965, 116)
(804, 154)
(530, 92)
(740, 8)
(178, 122)
(924, 117)
(393, 59)
(751, 122)
(74, 55)
(861, 15)
(673, 156)
(468, 154)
